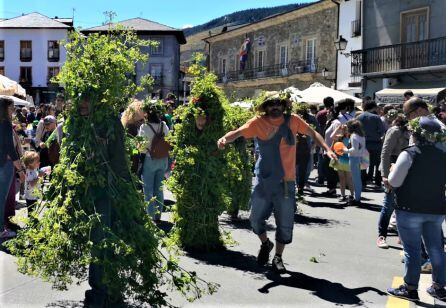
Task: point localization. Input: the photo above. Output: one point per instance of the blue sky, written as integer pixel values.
(174, 13)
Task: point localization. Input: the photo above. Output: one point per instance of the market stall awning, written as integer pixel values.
(11, 87)
(432, 93)
(18, 102)
(316, 93)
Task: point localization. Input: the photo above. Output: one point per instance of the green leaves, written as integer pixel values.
(61, 238)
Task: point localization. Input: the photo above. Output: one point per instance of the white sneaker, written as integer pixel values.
(7, 234)
(381, 242)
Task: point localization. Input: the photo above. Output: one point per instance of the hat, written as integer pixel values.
(273, 96)
(49, 119)
(430, 125)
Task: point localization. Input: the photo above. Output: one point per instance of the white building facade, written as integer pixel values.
(31, 53)
(350, 29)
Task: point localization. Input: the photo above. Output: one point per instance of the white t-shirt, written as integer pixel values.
(31, 192)
(148, 134)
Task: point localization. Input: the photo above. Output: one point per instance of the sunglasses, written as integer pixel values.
(273, 103)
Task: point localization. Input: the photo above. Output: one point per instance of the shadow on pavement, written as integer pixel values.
(310, 221)
(166, 226)
(369, 207)
(332, 205)
(333, 292)
(230, 258)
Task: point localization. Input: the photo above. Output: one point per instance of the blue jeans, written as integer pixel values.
(355, 168)
(283, 207)
(152, 177)
(6, 177)
(413, 226)
(386, 213)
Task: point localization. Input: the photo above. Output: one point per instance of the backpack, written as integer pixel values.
(160, 147)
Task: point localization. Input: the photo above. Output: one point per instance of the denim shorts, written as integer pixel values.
(282, 204)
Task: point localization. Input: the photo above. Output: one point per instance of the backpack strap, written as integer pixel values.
(153, 130)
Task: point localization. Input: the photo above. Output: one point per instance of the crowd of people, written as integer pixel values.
(352, 148)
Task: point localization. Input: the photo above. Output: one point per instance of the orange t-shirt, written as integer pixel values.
(264, 128)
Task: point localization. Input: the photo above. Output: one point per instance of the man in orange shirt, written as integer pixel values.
(276, 171)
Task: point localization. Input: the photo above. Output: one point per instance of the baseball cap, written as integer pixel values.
(49, 119)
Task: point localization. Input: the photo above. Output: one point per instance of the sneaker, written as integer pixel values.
(403, 292)
(265, 249)
(300, 192)
(8, 234)
(277, 265)
(426, 268)
(355, 203)
(439, 293)
(381, 242)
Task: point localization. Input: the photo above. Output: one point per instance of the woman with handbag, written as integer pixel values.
(155, 160)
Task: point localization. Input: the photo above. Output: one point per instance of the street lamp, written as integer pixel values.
(341, 45)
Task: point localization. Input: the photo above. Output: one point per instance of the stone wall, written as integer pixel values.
(292, 30)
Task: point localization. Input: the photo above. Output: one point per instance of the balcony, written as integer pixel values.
(277, 70)
(394, 58)
(356, 28)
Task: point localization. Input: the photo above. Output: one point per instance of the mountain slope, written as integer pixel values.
(242, 17)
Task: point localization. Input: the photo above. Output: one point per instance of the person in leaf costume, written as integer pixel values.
(274, 190)
(93, 220)
(197, 179)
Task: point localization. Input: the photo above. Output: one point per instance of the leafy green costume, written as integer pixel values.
(93, 214)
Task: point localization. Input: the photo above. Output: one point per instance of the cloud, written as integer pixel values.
(186, 26)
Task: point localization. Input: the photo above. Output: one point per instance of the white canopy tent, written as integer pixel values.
(18, 102)
(316, 93)
(246, 105)
(11, 87)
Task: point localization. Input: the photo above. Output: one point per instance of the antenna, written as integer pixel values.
(74, 10)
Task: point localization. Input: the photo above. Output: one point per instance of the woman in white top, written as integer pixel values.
(355, 153)
(154, 168)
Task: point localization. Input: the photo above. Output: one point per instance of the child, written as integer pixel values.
(342, 165)
(355, 153)
(32, 180)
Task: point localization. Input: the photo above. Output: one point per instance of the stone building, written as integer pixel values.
(295, 48)
(164, 59)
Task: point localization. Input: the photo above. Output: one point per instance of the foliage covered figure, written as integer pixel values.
(93, 220)
(197, 179)
(239, 163)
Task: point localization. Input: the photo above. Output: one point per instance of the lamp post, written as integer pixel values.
(341, 45)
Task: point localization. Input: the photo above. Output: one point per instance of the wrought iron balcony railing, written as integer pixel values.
(424, 53)
(277, 70)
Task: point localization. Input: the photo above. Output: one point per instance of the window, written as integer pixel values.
(311, 53)
(283, 60)
(2, 70)
(223, 66)
(261, 41)
(2, 51)
(26, 53)
(260, 60)
(156, 71)
(52, 72)
(414, 25)
(157, 50)
(53, 51)
(26, 75)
